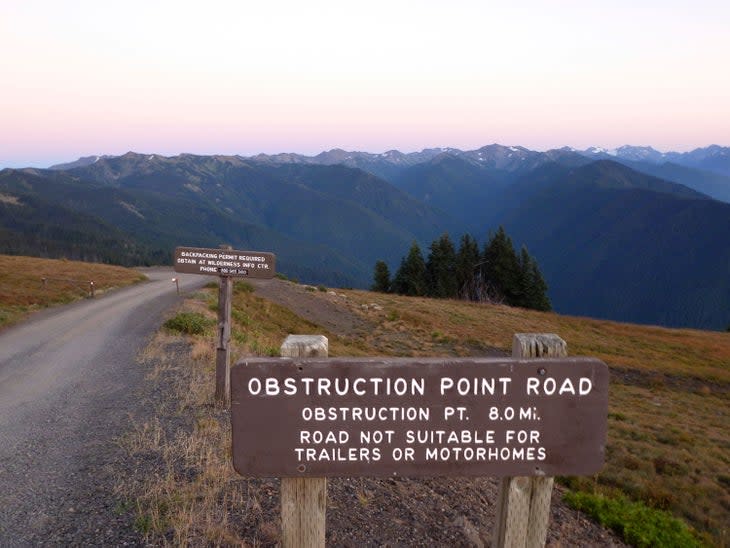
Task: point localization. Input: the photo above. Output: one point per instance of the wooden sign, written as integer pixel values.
(225, 262)
(418, 417)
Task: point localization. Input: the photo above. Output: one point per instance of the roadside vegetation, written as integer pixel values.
(197, 498)
(665, 480)
(637, 523)
(22, 289)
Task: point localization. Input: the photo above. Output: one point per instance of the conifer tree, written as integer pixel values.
(410, 279)
(525, 279)
(441, 269)
(539, 299)
(399, 284)
(381, 277)
(533, 292)
(467, 261)
(501, 267)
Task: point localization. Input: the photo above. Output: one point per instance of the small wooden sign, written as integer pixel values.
(225, 262)
(418, 417)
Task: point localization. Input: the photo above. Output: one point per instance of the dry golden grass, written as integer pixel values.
(195, 494)
(260, 326)
(191, 501)
(703, 355)
(22, 289)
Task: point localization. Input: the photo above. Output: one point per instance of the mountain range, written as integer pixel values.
(629, 234)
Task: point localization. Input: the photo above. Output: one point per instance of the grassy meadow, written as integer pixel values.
(22, 290)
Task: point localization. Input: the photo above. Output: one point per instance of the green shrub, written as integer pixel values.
(143, 524)
(190, 323)
(241, 337)
(242, 287)
(321, 288)
(638, 524)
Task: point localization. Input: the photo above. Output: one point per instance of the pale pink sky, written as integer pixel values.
(81, 78)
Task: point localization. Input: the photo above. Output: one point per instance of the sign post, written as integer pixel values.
(222, 353)
(525, 419)
(416, 417)
(523, 504)
(226, 263)
(304, 500)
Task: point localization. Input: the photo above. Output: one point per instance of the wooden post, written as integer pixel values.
(222, 353)
(523, 506)
(303, 500)
(91, 289)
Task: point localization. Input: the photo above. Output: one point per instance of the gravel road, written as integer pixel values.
(68, 385)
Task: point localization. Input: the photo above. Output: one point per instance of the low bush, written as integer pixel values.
(637, 523)
(242, 287)
(190, 323)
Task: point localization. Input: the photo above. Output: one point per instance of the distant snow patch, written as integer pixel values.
(133, 210)
(8, 199)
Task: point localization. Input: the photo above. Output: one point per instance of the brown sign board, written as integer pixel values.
(418, 416)
(225, 262)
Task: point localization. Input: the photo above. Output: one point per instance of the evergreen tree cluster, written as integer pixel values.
(497, 274)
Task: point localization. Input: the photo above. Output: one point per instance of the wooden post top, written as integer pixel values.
(538, 345)
(305, 346)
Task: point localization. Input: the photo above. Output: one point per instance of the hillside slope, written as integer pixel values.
(329, 207)
(626, 247)
(35, 221)
(160, 215)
